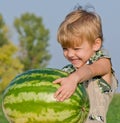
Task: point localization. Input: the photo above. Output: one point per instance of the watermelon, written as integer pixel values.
(29, 98)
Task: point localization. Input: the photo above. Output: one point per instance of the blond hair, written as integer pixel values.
(79, 25)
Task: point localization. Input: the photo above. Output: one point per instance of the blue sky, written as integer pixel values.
(53, 13)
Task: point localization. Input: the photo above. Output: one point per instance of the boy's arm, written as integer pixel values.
(98, 68)
(86, 72)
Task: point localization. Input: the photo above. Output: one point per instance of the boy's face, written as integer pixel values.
(79, 55)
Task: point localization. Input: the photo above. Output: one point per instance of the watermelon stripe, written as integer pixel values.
(25, 110)
(38, 87)
(32, 96)
(32, 106)
(41, 72)
(37, 76)
(44, 118)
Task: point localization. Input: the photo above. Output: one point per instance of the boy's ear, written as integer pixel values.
(97, 45)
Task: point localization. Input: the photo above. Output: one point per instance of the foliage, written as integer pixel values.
(10, 65)
(33, 41)
(3, 32)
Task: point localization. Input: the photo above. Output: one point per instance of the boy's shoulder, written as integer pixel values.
(102, 53)
(68, 68)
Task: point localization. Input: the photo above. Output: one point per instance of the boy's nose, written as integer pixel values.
(71, 53)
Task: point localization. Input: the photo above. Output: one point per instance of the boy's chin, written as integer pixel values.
(77, 66)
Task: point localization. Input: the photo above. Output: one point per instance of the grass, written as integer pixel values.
(113, 115)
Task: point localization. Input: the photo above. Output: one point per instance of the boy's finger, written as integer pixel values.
(62, 98)
(57, 93)
(57, 81)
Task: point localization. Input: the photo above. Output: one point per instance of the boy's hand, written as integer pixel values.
(66, 89)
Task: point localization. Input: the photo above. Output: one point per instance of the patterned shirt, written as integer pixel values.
(103, 85)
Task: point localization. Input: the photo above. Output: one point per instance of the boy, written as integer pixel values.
(81, 38)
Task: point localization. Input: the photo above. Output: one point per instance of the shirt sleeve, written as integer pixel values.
(105, 53)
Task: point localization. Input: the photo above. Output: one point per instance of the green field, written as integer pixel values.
(113, 115)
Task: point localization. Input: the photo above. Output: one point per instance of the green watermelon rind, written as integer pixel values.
(26, 93)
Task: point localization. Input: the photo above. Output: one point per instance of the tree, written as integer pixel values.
(10, 65)
(3, 32)
(33, 44)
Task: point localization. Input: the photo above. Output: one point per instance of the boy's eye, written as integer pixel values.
(64, 48)
(77, 48)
